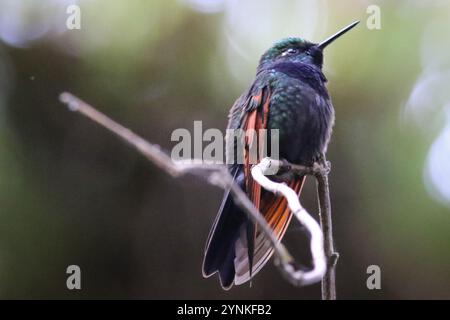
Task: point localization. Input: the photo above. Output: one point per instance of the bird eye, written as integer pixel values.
(289, 51)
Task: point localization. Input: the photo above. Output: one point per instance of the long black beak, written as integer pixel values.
(326, 42)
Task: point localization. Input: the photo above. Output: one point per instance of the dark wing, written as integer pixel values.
(235, 248)
(252, 250)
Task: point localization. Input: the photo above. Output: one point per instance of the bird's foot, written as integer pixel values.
(321, 166)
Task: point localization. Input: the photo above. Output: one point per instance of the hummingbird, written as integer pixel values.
(288, 94)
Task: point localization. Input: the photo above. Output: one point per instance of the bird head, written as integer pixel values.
(293, 50)
(299, 50)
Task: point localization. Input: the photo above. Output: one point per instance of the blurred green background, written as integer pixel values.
(72, 193)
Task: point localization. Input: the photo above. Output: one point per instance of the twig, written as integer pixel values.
(329, 280)
(218, 175)
(298, 277)
(320, 170)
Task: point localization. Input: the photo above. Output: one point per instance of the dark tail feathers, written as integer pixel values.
(220, 247)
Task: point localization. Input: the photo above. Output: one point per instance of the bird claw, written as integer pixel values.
(321, 166)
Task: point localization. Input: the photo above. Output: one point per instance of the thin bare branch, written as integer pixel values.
(321, 170)
(329, 280)
(151, 151)
(297, 277)
(219, 176)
